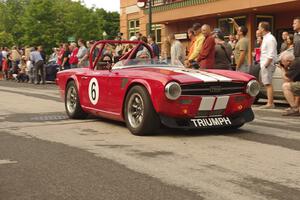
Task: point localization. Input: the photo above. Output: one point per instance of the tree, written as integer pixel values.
(50, 22)
(6, 39)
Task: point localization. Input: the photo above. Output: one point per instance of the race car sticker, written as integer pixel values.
(94, 91)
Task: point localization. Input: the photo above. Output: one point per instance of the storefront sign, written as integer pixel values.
(181, 36)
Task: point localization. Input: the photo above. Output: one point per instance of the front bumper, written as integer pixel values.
(209, 122)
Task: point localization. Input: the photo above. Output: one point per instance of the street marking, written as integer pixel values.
(2, 162)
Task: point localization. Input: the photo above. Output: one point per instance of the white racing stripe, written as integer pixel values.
(197, 74)
(216, 76)
(207, 103)
(221, 103)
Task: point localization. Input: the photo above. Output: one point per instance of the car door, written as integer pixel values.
(277, 83)
(117, 83)
(94, 89)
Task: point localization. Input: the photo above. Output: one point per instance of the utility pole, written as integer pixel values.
(150, 17)
(142, 4)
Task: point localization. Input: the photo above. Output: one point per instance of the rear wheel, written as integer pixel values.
(140, 116)
(72, 103)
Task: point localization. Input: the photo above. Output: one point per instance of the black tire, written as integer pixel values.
(149, 120)
(72, 106)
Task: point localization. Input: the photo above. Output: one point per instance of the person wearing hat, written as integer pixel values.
(223, 52)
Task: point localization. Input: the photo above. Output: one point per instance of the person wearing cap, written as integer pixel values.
(223, 52)
(196, 48)
(177, 51)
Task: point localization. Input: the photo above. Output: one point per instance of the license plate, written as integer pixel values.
(211, 122)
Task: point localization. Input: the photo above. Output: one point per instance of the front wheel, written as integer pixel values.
(140, 116)
(72, 103)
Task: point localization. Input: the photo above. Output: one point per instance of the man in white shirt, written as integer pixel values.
(267, 61)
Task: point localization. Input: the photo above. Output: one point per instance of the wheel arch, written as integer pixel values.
(72, 78)
(144, 84)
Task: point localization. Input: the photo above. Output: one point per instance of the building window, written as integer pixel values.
(156, 31)
(134, 27)
(227, 27)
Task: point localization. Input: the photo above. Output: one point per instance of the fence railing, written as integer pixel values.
(163, 5)
(164, 2)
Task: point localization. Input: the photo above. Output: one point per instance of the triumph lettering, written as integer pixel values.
(220, 121)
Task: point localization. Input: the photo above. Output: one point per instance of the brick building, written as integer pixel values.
(176, 16)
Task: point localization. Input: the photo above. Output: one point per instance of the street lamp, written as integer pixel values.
(142, 4)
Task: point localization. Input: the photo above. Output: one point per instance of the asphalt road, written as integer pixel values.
(44, 155)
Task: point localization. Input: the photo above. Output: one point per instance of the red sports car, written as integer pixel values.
(124, 82)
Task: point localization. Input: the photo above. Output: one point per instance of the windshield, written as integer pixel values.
(147, 62)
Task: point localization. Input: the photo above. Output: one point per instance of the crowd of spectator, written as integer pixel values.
(207, 49)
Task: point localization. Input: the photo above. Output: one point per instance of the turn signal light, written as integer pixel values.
(240, 107)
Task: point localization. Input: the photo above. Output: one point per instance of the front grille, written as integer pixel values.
(215, 88)
(205, 113)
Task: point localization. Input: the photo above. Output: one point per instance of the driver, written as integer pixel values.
(105, 63)
(143, 57)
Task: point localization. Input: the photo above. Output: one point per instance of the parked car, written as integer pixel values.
(277, 85)
(51, 70)
(146, 92)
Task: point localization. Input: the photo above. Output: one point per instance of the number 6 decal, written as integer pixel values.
(94, 91)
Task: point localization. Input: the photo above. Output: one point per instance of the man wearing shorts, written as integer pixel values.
(267, 61)
(291, 86)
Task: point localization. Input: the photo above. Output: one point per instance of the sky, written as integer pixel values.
(109, 5)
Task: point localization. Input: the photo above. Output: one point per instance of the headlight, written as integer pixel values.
(253, 88)
(173, 90)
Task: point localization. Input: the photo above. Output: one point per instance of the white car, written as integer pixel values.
(277, 86)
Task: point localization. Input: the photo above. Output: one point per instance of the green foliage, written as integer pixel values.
(50, 22)
(6, 39)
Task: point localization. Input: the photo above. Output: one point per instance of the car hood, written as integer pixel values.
(185, 75)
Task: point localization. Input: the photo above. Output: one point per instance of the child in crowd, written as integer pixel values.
(22, 74)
